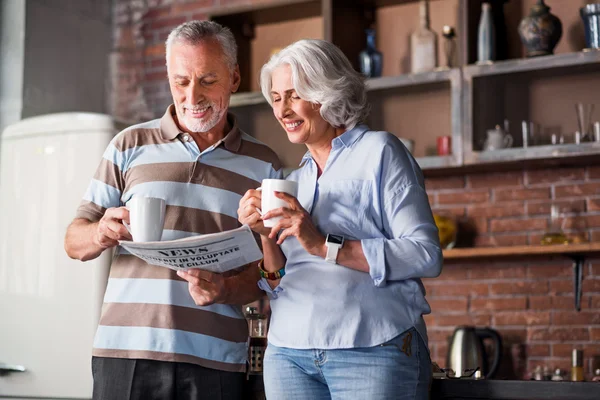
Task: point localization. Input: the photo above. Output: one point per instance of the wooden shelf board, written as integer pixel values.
(581, 58)
(423, 78)
(534, 153)
(519, 251)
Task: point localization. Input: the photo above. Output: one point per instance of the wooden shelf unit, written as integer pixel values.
(465, 101)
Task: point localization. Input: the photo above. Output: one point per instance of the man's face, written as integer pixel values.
(201, 83)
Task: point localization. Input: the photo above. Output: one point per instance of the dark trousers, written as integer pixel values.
(124, 379)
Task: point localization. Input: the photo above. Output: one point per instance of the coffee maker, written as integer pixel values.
(467, 352)
(257, 340)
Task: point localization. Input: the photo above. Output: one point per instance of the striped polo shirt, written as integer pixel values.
(148, 312)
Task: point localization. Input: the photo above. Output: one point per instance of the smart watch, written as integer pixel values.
(333, 243)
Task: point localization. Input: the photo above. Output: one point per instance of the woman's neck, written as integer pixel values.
(320, 150)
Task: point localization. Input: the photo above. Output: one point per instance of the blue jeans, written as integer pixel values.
(397, 370)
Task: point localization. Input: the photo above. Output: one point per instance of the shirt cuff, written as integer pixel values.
(374, 250)
(272, 294)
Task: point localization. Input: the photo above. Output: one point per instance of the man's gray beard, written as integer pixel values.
(200, 125)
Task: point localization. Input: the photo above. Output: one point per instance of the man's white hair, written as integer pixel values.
(194, 32)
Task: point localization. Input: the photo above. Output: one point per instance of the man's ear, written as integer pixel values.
(236, 79)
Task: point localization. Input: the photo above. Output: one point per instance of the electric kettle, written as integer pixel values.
(466, 351)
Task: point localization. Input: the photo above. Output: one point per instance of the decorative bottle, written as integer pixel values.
(370, 59)
(423, 43)
(555, 234)
(486, 37)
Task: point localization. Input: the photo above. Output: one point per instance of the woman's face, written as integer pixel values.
(300, 119)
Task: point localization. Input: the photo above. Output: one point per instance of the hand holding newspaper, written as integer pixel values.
(215, 252)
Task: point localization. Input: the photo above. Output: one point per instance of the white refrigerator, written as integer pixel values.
(49, 304)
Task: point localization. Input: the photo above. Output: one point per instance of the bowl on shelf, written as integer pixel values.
(447, 230)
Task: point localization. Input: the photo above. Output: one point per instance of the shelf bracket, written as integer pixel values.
(578, 263)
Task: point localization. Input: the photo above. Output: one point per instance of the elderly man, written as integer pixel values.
(162, 334)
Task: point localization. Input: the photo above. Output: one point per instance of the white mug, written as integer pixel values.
(146, 218)
(270, 202)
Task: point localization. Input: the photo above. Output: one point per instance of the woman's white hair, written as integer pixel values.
(322, 74)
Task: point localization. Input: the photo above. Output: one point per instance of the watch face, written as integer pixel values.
(335, 239)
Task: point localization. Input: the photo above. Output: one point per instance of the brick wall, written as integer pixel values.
(529, 301)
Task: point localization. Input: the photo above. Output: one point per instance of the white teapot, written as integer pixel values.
(497, 139)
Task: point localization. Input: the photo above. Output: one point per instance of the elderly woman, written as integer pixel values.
(343, 266)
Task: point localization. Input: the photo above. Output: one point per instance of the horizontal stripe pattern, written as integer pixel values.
(170, 357)
(192, 172)
(148, 311)
(189, 195)
(169, 341)
(180, 318)
(161, 291)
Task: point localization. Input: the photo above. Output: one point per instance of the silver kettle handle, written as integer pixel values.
(7, 368)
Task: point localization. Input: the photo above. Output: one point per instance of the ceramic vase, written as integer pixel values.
(540, 31)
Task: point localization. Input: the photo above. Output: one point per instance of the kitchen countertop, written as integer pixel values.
(513, 390)
(483, 389)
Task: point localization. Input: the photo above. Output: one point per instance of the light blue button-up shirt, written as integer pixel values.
(371, 190)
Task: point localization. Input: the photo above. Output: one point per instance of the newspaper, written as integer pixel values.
(216, 252)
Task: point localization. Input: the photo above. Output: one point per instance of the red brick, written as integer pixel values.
(157, 50)
(157, 12)
(522, 194)
(510, 303)
(194, 6)
(595, 236)
(595, 266)
(199, 16)
(549, 271)
(518, 225)
(463, 197)
(575, 318)
(543, 208)
(593, 204)
(431, 198)
(512, 335)
(497, 271)
(522, 318)
(509, 240)
(453, 212)
(594, 302)
(553, 175)
(540, 303)
(453, 271)
(519, 287)
(591, 285)
(170, 22)
(567, 302)
(480, 225)
(452, 182)
(445, 304)
(558, 334)
(583, 189)
(495, 180)
(484, 241)
(454, 320)
(538, 350)
(593, 172)
(458, 289)
(561, 286)
(505, 210)
(156, 76)
(562, 349)
(595, 334)
(591, 221)
(439, 334)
